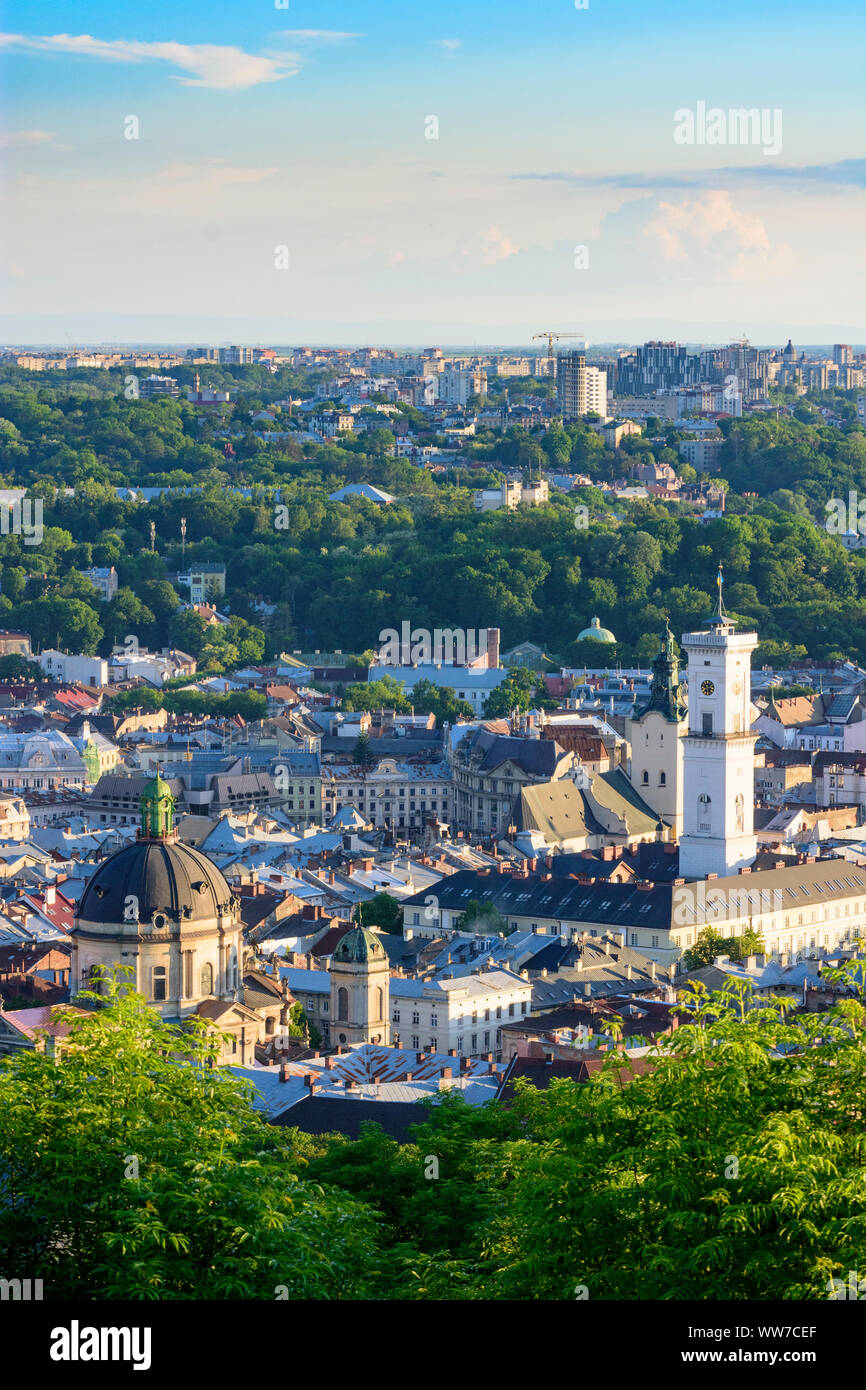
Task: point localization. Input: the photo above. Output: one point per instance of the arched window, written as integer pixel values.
(662, 779)
(704, 812)
(159, 983)
(739, 814)
(206, 978)
(342, 1003)
(269, 1025)
(380, 1003)
(645, 778)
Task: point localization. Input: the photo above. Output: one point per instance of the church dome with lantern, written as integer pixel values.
(596, 633)
(162, 911)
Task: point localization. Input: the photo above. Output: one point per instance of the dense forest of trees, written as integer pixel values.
(733, 1169)
(336, 574)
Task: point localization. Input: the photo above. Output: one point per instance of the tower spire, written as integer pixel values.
(157, 810)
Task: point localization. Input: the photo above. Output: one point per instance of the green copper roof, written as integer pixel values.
(359, 945)
(596, 632)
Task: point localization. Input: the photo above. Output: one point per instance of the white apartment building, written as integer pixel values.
(579, 388)
(511, 495)
(511, 366)
(236, 356)
(457, 385)
(465, 1012)
(60, 666)
(701, 453)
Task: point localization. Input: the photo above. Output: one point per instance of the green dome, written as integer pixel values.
(359, 945)
(596, 633)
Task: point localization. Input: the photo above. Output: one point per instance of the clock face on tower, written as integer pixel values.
(707, 687)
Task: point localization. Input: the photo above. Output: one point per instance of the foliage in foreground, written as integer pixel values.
(733, 1170)
(131, 1175)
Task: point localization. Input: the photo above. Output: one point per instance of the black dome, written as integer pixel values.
(164, 875)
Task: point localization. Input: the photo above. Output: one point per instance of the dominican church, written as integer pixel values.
(159, 911)
(162, 912)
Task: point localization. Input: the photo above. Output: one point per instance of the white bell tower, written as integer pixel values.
(718, 755)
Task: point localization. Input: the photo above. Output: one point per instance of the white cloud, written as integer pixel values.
(205, 65)
(497, 247)
(489, 247)
(698, 223)
(18, 139)
(450, 44)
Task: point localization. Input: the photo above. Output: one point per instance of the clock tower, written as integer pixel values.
(718, 753)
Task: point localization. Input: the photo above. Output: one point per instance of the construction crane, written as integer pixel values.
(550, 337)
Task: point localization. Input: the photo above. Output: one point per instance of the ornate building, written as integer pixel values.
(360, 985)
(161, 910)
(655, 734)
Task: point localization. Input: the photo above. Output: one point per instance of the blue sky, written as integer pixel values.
(307, 128)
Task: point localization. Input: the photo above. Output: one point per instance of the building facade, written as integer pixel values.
(656, 734)
(718, 758)
(490, 771)
(394, 795)
(579, 389)
(359, 980)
